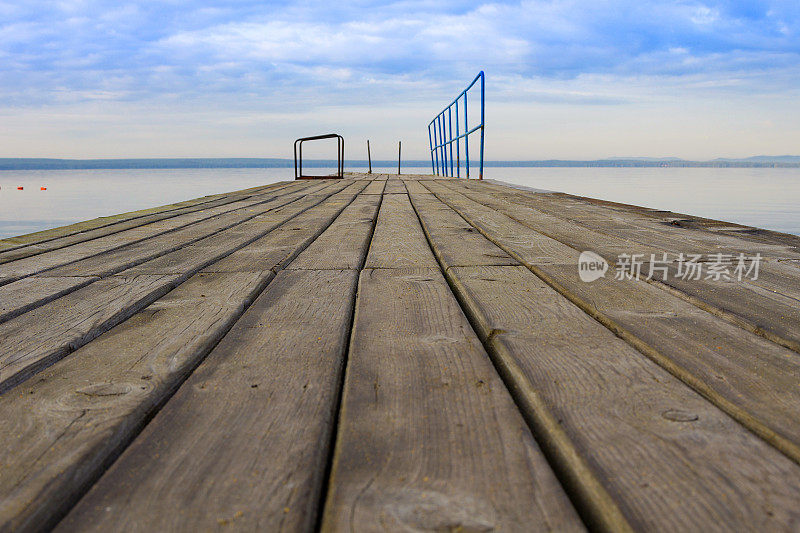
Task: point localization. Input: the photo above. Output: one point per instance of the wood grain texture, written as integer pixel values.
(748, 377)
(453, 239)
(28, 293)
(375, 187)
(244, 440)
(164, 231)
(768, 306)
(533, 247)
(277, 249)
(650, 439)
(49, 332)
(653, 225)
(394, 186)
(303, 219)
(396, 243)
(751, 378)
(42, 336)
(63, 428)
(182, 261)
(757, 305)
(69, 448)
(414, 187)
(344, 244)
(122, 222)
(581, 237)
(429, 438)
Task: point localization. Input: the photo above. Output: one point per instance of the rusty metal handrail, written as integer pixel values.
(339, 152)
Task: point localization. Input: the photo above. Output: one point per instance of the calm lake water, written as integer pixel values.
(767, 198)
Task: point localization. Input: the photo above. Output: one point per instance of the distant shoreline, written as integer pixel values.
(189, 163)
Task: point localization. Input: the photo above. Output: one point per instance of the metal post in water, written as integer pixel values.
(369, 158)
(399, 146)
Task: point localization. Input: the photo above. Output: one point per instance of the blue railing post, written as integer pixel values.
(443, 154)
(430, 143)
(466, 135)
(483, 122)
(441, 141)
(458, 145)
(450, 133)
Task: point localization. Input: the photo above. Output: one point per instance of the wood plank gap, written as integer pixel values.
(57, 243)
(87, 226)
(290, 513)
(745, 318)
(22, 300)
(331, 443)
(740, 414)
(45, 356)
(123, 412)
(13, 275)
(595, 505)
(435, 442)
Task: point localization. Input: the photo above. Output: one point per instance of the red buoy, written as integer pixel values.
(43, 188)
(19, 188)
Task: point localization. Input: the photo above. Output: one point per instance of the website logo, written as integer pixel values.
(591, 266)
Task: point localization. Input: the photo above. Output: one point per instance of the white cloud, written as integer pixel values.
(250, 58)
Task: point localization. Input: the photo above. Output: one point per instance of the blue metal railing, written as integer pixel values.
(440, 135)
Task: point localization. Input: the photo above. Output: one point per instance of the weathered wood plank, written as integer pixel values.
(344, 244)
(28, 293)
(45, 334)
(164, 229)
(276, 250)
(62, 429)
(637, 425)
(429, 438)
(414, 187)
(49, 332)
(640, 222)
(244, 441)
(396, 243)
(453, 240)
(533, 247)
(79, 274)
(757, 305)
(748, 377)
(124, 223)
(631, 220)
(68, 448)
(395, 186)
(768, 306)
(289, 229)
(375, 187)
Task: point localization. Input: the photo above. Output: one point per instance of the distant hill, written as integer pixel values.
(87, 164)
(644, 159)
(760, 161)
(767, 159)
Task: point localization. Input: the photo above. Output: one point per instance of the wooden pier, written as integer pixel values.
(396, 353)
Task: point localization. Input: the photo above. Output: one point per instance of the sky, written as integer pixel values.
(564, 79)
